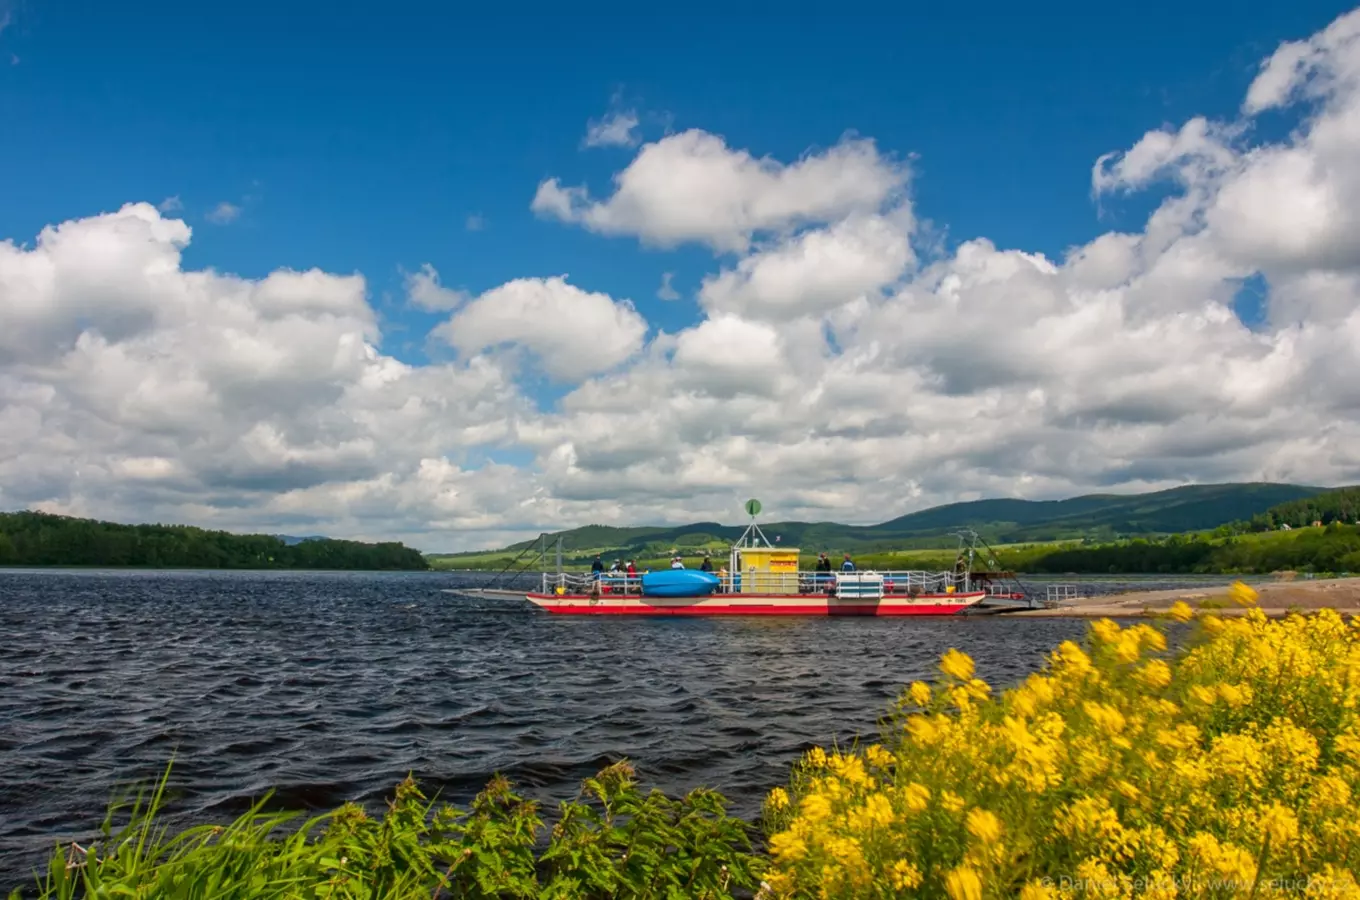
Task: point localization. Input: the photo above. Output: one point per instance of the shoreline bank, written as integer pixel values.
(1277, 598)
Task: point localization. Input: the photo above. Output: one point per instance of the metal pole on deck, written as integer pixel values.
(559, 554)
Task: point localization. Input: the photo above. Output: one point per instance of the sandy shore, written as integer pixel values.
(1277, 599)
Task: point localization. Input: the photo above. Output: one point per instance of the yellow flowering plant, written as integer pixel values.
(1227, 768)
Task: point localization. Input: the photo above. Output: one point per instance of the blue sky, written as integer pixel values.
(364, 137)
(825, 368)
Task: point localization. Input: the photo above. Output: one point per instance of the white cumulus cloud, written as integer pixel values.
(692, 187)
(424, 291)
(815, 271)
(617, 129)
(830, 371)
(573, 332)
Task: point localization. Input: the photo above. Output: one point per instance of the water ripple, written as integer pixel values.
(329, 687)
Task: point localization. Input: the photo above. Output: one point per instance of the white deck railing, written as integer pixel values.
(1056, 594)
(893, 583)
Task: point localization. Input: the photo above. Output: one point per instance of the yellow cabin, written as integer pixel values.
(765, 570)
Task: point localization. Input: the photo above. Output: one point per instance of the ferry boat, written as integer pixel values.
(761, 579)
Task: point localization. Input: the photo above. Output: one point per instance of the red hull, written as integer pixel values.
(754, 605)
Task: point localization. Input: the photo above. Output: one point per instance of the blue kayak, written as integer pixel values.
(679, 583)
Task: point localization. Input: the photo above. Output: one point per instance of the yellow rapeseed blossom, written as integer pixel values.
(1279, 824)
(814, 808)
(1243, 594)
(1204, 694)
(1330, 794)
(1150, 638)
(978, 689)
(1226, 861)
(879, 757)
(877, 812)
(848, 768)
(951, 802)
(788, 846)
(984, 826)
(1225, 766)
(1127, 649)
(963, 883)
(1105, 631)
(1105, 717)
(1072, 663)
(1181, 611)
(904, 876)
(915, 797)
(1235, 695)
(957, 665)
(1154, 674)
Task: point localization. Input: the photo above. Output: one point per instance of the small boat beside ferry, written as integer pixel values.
(762, 579)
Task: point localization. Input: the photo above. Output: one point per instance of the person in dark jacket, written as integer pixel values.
(822, 579)
(706, 565)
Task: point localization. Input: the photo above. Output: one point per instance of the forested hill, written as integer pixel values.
(38, 539)
(1341, 505)
(1097, 517)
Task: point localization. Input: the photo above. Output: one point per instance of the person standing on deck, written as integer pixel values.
(823, 572)
(848, 565)
(706, 565)
(596, 568)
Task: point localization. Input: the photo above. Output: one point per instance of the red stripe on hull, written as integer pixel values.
(580, 605)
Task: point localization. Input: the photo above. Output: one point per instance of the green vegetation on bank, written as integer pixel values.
(1228, 767)
(39, 539)
(611, 841)
(1096, 517)
(1334, 548)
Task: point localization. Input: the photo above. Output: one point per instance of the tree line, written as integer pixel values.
(40, 539)
(1334, 548)
(1341, 505)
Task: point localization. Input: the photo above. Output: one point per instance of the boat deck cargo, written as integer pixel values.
(764, 580)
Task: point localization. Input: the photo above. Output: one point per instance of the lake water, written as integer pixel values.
(331, 687)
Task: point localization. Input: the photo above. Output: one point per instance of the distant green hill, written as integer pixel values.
(1095, 517)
